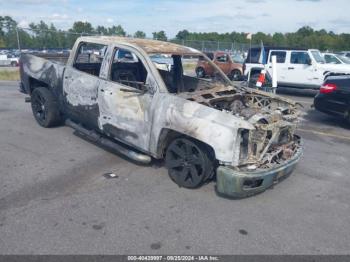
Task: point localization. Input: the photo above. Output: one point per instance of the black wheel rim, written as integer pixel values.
(39, 109)
(236, 75)
(185, 163)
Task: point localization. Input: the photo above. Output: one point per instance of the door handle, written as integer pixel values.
(102, 90)
(66, 77)
(290, 68)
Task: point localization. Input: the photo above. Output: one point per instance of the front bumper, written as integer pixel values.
(236, 184)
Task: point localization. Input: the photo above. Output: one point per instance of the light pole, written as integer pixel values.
(18, 44)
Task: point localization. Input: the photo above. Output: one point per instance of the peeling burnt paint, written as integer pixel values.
(244, 127)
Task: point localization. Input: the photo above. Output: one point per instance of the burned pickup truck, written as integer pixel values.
(111, 92)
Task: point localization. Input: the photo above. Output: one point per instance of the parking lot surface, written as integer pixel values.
(54, 198)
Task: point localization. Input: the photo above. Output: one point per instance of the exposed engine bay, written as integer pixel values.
(275, 120)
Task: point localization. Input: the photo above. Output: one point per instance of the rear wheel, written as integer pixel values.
(200, 72)
(13, 64)
(235, 75)
(189, 163)
(45, 107)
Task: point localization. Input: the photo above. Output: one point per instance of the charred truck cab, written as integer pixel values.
(111, 91)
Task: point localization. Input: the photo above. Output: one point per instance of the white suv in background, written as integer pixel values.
(296, 68)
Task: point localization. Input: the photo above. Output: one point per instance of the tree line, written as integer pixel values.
(43, 35)
(305, 37)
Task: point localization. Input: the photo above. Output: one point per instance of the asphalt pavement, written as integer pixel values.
(55, 199)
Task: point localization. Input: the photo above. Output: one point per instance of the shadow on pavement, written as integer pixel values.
(296, 91)
(314, 116)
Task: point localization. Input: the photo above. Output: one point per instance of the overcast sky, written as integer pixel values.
(195, 15)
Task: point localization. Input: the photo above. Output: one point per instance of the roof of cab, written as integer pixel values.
(148, 45)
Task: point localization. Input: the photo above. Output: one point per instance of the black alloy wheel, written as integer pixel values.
(188, 164)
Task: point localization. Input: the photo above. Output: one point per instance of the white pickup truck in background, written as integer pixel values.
(296, 68)
(8, 60)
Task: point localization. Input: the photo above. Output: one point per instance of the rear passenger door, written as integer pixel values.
(125, 98)
(80, 84)
(299, 71)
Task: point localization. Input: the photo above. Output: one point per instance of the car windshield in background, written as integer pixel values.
(253, 56)
(344, 59)
(237, 59)
(318, 57)
(180, 74)
(162, 59)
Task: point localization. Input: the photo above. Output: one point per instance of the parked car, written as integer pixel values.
(8, 60)
(331, 58)
(299, 68)
(344, 53)
(334, 97)
(200, 127)
(162, 61)
(224, 61)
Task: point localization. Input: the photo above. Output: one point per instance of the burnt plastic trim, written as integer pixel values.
(233, 184)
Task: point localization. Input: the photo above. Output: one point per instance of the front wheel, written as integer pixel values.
(189, 163)
(45, 107)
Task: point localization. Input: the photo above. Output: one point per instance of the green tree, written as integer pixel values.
(140, 34)
(101, 30)
(182, 35)
(8, 31)
(116, 30)
(83, 28)
(160, 36)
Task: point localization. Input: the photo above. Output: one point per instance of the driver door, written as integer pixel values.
(125, 99)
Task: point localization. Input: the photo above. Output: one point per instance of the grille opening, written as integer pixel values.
(207, 96)
(284, 137)
(255, 148)
(244, 144)
(226, 92)
(252, 183)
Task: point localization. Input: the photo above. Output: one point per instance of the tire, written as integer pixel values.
(200, 72)
(235, 75)
(190, 164)
(13, 64)
(347, 116)
(45, 107)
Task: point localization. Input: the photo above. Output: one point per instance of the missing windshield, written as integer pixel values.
(188, 73)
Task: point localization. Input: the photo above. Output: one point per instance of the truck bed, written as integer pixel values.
(41, 69)
(54, 57)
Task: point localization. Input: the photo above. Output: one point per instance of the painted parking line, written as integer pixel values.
(303, 102)
(324, 134)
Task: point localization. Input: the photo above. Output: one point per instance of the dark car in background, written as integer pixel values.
(334, 96)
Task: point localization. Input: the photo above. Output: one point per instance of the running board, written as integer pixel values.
(97, 138)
